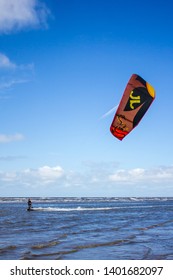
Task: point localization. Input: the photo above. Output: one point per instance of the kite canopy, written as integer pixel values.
(135, 101)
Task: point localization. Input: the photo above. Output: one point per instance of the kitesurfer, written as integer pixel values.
(29, 204)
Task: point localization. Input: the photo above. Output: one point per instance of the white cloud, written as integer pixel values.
(11, 138)
(6, 63)
(8, 177)
(43, 175)
(128, 176)
(19, 14)
(159, 175)
(17, 73)
(50, 174)
(11, 83)
(12, 158)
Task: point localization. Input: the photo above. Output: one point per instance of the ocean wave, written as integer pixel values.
(79, 208)
(81, 199)
(7, 248)
(45, 245)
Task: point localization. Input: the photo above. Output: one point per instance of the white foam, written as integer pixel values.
(73, 209)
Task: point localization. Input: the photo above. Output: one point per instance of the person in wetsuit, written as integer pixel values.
(29, 204)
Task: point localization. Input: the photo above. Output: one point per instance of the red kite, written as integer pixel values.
(135, 101)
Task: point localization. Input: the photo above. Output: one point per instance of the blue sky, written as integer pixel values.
(63, 65)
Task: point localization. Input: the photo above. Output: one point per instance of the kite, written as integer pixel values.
(135, 101)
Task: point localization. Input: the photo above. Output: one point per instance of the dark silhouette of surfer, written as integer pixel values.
(29, 204)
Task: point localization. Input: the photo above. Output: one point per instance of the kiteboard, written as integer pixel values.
(30, 209)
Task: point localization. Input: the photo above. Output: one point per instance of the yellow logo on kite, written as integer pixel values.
(134, 100)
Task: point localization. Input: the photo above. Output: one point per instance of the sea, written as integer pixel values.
(86, 228)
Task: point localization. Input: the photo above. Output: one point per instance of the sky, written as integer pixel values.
(64, 65)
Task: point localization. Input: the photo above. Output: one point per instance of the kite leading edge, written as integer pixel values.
(135, 101)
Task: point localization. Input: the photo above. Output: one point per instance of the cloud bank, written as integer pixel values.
(159, 175)
(50, 181)
(20, 14)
